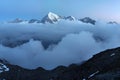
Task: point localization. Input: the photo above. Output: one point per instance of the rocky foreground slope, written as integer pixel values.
(102, 66)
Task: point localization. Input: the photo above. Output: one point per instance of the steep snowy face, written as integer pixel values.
(3, 68)
(50, 18)
(71, 18)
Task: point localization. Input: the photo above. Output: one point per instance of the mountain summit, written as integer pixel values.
(50, 18)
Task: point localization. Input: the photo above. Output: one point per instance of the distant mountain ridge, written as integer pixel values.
(54, 18)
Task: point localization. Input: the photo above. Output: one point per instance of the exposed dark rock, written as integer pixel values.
(71, 18)
(34, 20)
(112, 22)
(88, 20)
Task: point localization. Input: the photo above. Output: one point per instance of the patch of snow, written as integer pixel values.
(3, 68)
(93, 74)
(73, 17)
(112, 54)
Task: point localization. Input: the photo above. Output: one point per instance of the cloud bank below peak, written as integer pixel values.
(71, 42)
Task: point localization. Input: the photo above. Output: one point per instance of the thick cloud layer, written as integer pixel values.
(69, 42)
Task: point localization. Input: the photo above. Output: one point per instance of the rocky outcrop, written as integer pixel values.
(34, 21)
(71, 18)
(88, 20)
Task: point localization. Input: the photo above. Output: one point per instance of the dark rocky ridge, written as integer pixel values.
(102, 66)
(71, 18)
(34, 20)
(88, 20)
(112, 22)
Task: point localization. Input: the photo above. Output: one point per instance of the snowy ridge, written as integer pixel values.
(3, 68)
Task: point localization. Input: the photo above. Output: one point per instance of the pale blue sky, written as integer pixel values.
(101, 9)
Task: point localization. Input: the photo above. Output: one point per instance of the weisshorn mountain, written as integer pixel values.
(102, 66)
(54, 18)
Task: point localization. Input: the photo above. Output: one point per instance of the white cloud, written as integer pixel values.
(75, 42)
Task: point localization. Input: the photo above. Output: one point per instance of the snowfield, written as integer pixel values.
(51, 45)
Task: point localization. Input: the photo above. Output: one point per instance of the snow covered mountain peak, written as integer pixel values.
(51, 18)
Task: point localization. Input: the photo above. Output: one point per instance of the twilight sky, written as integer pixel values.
(26, 9)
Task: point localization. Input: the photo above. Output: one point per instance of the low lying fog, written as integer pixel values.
(69, 42)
